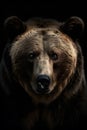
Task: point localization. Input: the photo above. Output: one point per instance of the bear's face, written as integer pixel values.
(43, 61)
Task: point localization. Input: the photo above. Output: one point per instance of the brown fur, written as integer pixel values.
(44, 47)
(34, 41)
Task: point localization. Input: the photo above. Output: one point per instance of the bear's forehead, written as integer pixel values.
(49, 34)
(39, 32)
(47, 39)
(43, 40)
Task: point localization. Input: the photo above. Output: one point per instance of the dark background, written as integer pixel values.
(59, 9)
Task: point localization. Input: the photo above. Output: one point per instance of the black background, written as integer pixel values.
(59, 9)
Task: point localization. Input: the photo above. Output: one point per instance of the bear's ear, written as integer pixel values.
(13, 26)
(74, 27)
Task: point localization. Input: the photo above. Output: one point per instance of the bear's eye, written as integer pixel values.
(32, 55)
(53, 56)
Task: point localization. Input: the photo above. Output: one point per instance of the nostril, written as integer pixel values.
(43, 82)
(43, 79)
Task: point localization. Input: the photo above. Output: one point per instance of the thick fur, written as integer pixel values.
(43, 47)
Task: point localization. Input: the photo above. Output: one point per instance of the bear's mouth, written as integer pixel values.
(41, 84)
(40, 89)
(42, 96)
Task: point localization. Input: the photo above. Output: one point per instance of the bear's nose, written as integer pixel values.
(43, 82)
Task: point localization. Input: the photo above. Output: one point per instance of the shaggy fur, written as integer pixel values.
(43, 47)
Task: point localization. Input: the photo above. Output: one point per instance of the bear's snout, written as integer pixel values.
(43, 82)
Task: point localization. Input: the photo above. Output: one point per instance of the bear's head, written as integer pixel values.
(45, 56)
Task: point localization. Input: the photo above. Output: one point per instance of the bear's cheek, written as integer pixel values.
(22, 69)
(63, 69)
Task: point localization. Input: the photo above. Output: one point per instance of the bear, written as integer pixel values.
(42, 75)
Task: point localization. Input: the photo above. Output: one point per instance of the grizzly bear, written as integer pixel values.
(42, 78)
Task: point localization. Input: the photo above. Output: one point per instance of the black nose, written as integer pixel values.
(43, 82)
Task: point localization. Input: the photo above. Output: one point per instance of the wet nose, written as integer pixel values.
(43, 82)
